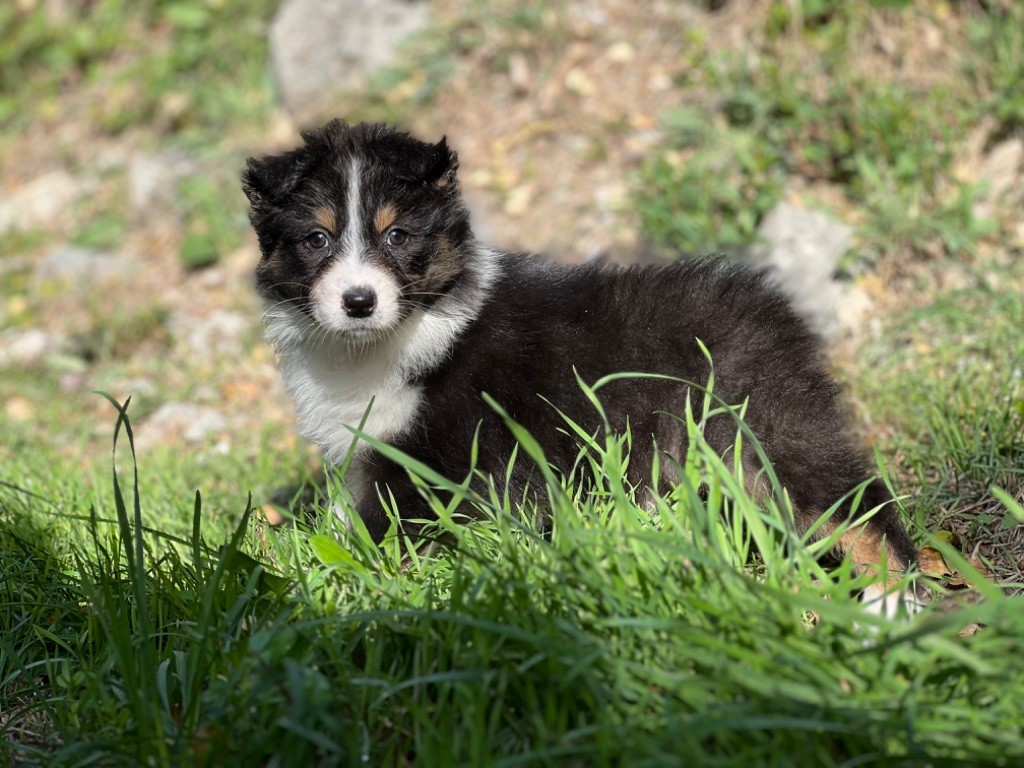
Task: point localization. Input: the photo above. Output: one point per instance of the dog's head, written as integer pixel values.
(359, 226)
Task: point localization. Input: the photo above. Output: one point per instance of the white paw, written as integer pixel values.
(893, 604)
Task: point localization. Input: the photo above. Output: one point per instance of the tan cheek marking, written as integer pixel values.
(325, 218)
(444, 266)
(385, 216)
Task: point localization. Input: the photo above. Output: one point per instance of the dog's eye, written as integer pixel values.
(317, 241)
(397, 236)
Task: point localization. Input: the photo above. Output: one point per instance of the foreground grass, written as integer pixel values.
(624, 637)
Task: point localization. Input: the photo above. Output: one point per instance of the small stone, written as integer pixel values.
(28, 348)
(174, 423)
(481, 178)
(17, 305)
(322, 47)
(272, 515)
(219, 333)
(578, 81)
(153, 179)
(853, 307)
(72, 381)
(611, 197)
(77, 267)
(1003, 171)
(137, 386)
(801, 248)
(519, 73)
(518, 201)
(621, 53)
(660, 81)
(19, 409)
(42, 202)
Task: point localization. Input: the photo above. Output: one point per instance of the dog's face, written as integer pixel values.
(358, 227)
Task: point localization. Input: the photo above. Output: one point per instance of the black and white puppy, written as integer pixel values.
(376, 288)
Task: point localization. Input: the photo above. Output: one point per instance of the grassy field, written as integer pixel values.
(150, 615)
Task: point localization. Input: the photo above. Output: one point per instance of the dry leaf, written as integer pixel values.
(970, 629)
(932, 562)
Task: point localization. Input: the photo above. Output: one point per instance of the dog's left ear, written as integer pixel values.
(445, 166)
(417, 161)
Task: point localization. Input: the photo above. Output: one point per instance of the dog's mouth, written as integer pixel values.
(357, 331)
(360, 335)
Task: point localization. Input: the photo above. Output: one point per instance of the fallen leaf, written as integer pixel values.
(970, 629)
(932, 562)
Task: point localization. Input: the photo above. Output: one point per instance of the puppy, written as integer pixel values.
(376, 290)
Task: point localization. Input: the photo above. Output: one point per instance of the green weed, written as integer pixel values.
(958, 359)
(624, 635)
(803, 110)
(212, 228)
(711, 191)
(206, 69)
(104, 232)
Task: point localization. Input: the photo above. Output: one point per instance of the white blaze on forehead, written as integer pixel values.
(352, 244)
(350, 269)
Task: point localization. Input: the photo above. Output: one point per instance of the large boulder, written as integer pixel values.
(322, 47)
(801, 250)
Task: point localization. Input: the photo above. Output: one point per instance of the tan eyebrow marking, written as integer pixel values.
(385, 216)
(325, 218)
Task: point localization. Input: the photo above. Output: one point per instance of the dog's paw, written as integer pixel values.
(894, 603)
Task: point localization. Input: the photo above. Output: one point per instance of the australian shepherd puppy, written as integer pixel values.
(377, 290)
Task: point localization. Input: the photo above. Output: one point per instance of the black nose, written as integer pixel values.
(359, 302)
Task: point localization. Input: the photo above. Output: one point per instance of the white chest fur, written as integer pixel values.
(332, 383)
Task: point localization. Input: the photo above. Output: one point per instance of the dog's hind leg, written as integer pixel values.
(881, 547)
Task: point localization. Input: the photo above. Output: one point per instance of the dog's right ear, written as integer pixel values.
(267, 180)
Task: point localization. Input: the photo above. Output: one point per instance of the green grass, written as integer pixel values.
(947, 379)
(625, 637)
(805, 109)
(185, 67)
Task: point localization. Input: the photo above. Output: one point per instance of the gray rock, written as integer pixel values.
(41, 202)
(321, 47)
(76, 267)
(152, 179)
(1003, 174)
(28, 347)
(219, 333)
(801, 250)
(136, 386)
(173, 423)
